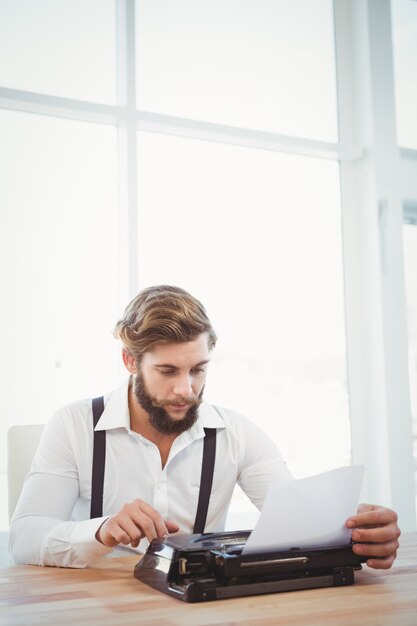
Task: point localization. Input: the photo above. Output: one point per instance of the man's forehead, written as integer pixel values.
(173, 353)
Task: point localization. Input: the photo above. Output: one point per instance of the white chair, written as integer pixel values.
(22, 442)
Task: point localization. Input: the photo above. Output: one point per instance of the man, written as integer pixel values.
(156, 429)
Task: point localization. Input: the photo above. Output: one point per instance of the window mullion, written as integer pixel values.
(373, 257)
(128, 202)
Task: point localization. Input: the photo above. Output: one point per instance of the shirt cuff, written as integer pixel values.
(83, 540)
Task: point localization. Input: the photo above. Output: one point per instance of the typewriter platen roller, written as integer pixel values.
(197, 568)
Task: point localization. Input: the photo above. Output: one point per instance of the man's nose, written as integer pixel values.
(183, 386)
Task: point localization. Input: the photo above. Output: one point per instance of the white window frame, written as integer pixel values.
(372, 200)
(372, 219)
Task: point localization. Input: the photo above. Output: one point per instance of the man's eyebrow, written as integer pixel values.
(174, 367)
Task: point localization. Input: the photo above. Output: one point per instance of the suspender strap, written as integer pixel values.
(207, 470)
(99, 459)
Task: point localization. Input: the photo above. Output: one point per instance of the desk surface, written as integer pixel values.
(109, 595)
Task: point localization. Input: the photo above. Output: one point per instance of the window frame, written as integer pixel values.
(372, 220)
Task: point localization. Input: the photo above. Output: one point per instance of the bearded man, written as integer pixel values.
(152, 457)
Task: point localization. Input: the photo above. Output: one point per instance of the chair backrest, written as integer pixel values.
(22, 442)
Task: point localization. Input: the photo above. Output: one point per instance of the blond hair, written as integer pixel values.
(162, 314)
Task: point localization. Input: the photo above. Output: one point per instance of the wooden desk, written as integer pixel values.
(108, 594)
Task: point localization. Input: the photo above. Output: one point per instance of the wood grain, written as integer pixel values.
(108, 594)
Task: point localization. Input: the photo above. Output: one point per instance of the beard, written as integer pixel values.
(158, 416)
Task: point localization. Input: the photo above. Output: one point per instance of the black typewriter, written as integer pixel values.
(197, 568)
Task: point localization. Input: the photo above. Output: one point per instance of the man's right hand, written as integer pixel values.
(133, 522)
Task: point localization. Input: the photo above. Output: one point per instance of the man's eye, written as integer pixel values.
(167, 372)
(197, 370)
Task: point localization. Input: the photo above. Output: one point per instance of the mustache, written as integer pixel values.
(190, 401)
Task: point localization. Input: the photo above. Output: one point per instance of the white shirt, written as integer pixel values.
(51, 524)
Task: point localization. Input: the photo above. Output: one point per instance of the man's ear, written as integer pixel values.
(129, 361)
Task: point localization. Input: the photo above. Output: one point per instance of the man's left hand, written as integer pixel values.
(377, 529)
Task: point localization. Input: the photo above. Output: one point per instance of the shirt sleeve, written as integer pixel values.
(41, 532)
(260, 463)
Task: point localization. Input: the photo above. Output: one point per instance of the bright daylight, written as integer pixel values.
(208, 243)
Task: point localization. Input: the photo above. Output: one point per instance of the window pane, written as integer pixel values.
(58, 266)
(59, 47)
(264, 64)
(256, 236)
(410, 261)
(404, 23)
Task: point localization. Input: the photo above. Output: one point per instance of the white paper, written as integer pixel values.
(308, 513)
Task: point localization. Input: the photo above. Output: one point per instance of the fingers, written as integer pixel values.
(382, 563)
(375, 525)
(133, 522)
(377, 531)
(363, 507)
(171, 526)
(382, 555)
(370, 516)
(383, 550)
(147, 518)
(380, 534)
(114, 532)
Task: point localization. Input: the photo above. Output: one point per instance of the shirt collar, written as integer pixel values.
(116, 409)
(116, 413)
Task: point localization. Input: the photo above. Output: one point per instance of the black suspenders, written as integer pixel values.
(99, 461)
(206, 481)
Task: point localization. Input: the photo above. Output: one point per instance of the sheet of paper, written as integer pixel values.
(308, 513)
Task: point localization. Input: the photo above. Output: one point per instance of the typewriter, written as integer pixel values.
(211, 566)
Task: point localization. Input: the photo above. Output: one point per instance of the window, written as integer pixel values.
(404, 31)
(404, 18)
(410, 261)
(64, 48)
(267, 263)
(263, 65)
(217, 169)
(59, 266)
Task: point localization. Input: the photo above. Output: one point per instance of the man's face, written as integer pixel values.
(169, 384)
